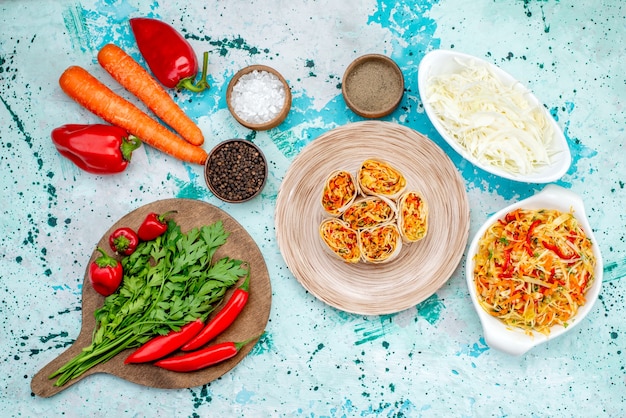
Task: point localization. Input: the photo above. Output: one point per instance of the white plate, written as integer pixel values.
(514, 340)
(440, 62)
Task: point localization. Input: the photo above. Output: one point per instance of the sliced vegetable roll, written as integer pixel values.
(380, 178)
(380, 244)
(369, 211)
(340, 190)
(342, 240)
(412, 216)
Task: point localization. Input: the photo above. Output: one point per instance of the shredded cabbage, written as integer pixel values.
(496, 124)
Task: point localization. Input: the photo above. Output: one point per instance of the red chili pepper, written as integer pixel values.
(224, 318)
(557, 250)
(170, 57)
(153, 226)
(105, 274)
(97, 148)
(201, 359)
(124, 241)
(163, 345)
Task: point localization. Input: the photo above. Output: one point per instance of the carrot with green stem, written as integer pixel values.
(94, 96)
(130, 74)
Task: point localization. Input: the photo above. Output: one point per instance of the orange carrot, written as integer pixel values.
(136, 79)
(94, 96)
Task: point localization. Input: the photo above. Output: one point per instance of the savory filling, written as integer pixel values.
(339, 191)
(377, 177)
(413, 217)
(369, 212)
(380, 243)
(341, 239)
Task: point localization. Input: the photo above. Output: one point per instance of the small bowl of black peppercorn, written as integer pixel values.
(235, 170)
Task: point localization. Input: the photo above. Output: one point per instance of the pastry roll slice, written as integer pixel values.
(380, 178)
(340, 190)
(380, 244)
(412, 216)
(342, 240)
(369, 211)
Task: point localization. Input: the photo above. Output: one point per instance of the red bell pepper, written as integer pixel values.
(105, 274)
(124, 241)
(197, 360)
(97, 148)
(170, 57)
(153, 226)
(224, 318)
(163, 345)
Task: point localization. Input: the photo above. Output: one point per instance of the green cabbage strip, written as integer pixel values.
(495, 123)
(168, 282)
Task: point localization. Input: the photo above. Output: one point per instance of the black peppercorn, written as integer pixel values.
(235, 170)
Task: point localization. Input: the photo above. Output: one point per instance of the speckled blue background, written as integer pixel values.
(314, 361)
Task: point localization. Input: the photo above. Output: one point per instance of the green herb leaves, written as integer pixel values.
(168, 282)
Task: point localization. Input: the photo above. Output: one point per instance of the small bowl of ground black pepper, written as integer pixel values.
(373, 86)
(235, 170)
(258, 97)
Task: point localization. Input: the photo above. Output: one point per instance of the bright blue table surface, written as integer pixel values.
(314, 361)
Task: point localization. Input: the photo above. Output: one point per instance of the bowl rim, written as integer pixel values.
(513, 340)
(374, 114)
(206, 169)
(436, 60)
(286, 104)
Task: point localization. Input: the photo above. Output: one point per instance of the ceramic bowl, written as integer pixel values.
(514, 340)
(235, 180)
(281, 115)
(441, 62)
(373, 86)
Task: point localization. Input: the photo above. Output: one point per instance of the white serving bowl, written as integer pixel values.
(515, 341)
(441, 62)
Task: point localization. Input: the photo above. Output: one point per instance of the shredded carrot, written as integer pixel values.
(533, 268)
(94, 96)
(136, 79)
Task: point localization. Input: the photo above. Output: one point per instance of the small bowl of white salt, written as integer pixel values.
(258, 97)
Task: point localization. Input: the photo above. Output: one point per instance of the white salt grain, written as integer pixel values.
(258, 97)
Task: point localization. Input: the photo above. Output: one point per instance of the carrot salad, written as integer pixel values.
(533, 268)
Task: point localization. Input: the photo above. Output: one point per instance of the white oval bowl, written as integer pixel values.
(512, 340)
(441, 62)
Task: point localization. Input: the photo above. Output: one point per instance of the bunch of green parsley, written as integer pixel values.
(168, 282)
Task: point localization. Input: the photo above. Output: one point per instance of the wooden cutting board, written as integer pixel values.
(251, 322)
